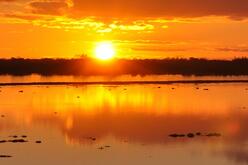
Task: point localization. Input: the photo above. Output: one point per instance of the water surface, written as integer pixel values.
(125, 124)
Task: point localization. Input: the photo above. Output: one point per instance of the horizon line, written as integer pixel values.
(116, 58)
(124, 82)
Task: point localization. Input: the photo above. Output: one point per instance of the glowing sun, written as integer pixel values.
(104, 51)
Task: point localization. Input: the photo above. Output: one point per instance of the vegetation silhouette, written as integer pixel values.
(90, 66)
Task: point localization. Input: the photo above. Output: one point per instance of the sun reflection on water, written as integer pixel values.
(137, 114)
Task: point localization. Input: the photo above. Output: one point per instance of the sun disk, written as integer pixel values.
(104, 51)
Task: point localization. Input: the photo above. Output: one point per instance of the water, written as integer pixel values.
(130, 124)
(38, 78)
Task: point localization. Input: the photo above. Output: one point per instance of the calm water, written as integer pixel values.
(124, 124)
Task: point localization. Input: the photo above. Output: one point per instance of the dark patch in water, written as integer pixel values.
(18, 141)
(91, 138)
(5, 156)
(177, 135)
(190, 135)
(198, 133)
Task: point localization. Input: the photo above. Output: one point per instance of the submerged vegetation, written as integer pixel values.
(89, 66)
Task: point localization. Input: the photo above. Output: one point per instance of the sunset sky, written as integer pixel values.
(215, 29)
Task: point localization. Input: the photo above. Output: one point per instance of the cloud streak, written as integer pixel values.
(7, 1)
(161, 8)
(233, 49)
(235, 9)
(48, 7)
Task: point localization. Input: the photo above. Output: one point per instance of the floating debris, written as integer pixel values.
(13, 136)
(176, 135)
(5, 156)
(103, 147)
(190, 135)
(206, 89)
(21, 91)
(173, 135)
(198, 133)
(159, 87)
(18, 141)
(91, 138)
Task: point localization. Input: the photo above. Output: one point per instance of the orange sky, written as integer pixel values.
(137, 28)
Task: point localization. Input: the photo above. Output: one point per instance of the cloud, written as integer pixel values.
(159, 49)
(88, 23)
(133, 26)
(233, 49)
(48, 7)
(7, 1)
(132, 9)
(23, 16)
(161, 8)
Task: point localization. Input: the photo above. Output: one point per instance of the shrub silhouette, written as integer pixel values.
(89, 66)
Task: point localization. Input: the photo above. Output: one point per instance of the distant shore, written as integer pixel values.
(124, 82)
(88, 66)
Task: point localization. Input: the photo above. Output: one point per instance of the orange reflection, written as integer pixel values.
(142, 113)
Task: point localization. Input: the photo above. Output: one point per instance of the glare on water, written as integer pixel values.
(125, 124)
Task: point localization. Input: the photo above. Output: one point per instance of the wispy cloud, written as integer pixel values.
(159, 49)
(48, 7)
(162, 8)
(233, 49)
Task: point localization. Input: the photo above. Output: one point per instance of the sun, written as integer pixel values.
(104, 51)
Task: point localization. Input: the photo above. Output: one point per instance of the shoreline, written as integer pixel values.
(125, 82)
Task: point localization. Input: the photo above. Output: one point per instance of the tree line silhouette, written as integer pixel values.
(89, 66)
